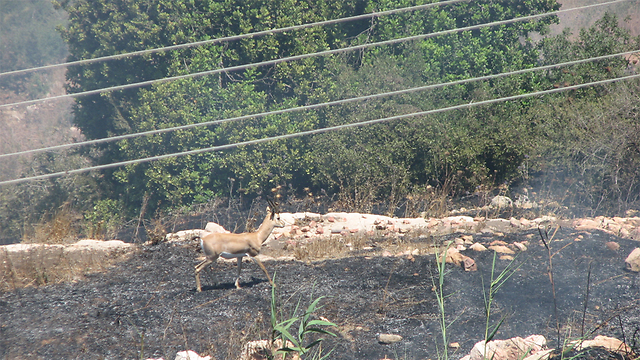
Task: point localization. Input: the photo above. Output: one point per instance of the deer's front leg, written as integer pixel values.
(199, 268)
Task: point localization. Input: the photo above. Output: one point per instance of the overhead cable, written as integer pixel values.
(315, 106)
(304, 56)
(234, 37)
(316, 131)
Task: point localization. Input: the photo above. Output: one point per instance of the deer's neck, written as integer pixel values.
(265, 229)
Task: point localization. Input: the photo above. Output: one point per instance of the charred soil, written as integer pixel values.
(147, 306)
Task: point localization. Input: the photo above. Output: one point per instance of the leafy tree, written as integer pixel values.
(587, 149)
(100, 28)
(481, 145)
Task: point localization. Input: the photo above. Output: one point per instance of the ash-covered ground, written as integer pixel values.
(147, 306)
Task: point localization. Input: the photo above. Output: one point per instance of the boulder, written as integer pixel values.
(608, 343)
(633, 260)
(510, 349)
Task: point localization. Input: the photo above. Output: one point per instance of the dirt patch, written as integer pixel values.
(148, 306)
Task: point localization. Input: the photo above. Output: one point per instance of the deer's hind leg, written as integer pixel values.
(239, 269)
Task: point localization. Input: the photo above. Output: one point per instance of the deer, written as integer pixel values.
(237, 246)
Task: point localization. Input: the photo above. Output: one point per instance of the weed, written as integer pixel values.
(494, 286)
(546, 240)
(295, 342)
(489, 296)
(440, 297)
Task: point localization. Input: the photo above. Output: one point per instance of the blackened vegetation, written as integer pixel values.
(149, 304)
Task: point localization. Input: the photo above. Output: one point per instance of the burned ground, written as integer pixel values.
(148, 304)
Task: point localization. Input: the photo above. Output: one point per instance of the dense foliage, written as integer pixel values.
(456, 151)
(381, 161)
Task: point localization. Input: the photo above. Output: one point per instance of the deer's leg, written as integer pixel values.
(265, 270)
(239, 269)
(206, 262)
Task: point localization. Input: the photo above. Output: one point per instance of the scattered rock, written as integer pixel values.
(520, 246)
(478, 247)
(501, 249)
(586, 224)
(469, 264)
(453, 256)
(389, 338)
(468, 239)
(612, 245)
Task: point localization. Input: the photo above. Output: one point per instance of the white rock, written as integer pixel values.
(98, 245)
(501, 202)
(215, 228)
(458, 219)
(190, 355)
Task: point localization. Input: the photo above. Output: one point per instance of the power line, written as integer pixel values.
(315, 106)
(304, 56)
(235, 37)
(317, 131)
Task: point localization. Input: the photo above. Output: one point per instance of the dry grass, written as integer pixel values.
(359, 244)
(330, 248)
(44, 265)
(60, 228)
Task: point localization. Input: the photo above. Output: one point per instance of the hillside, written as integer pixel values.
(628, 11)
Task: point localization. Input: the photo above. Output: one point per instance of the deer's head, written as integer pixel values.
(274, 213)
